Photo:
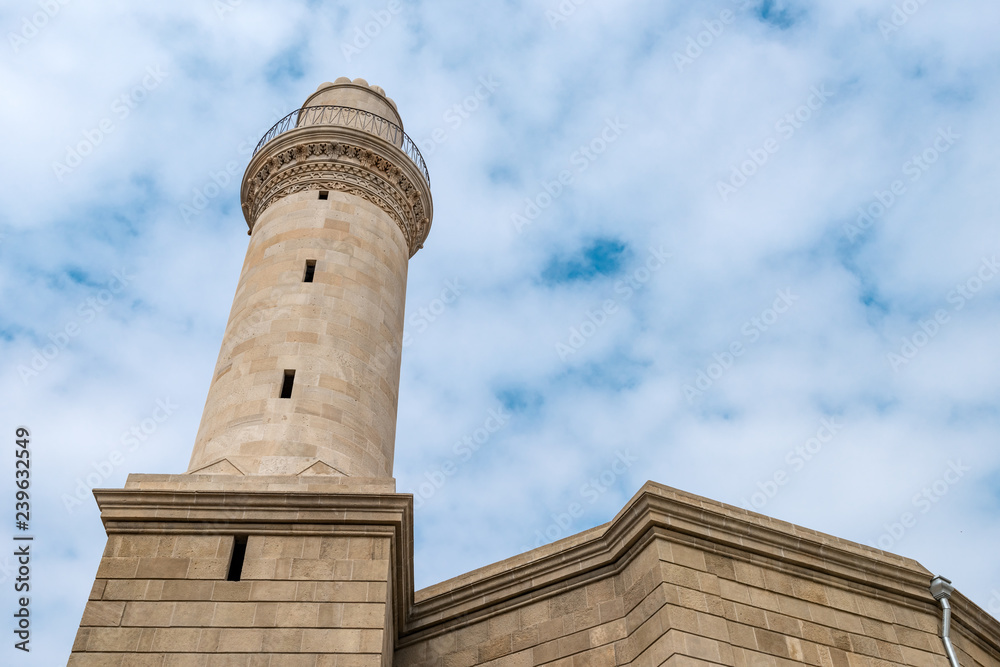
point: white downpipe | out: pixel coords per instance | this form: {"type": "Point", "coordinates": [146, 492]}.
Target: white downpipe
{"type": "Point", "coordinates": [942, 589]}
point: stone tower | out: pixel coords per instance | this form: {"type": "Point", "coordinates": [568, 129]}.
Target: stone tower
{"type": "Point", "coordinates": [335, 209]}
{"type": "Point", "coordinates": [285, 537]}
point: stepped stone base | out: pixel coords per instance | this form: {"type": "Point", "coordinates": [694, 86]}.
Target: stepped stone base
{"type": "Point", "coordinates": [316, 587]}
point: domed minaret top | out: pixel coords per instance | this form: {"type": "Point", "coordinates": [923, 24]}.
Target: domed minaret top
{"type": "Point", "coordinates": [337, 199]}
{"type": "Point", "coordinates": [343, 127]}
{"type": "Point", "coordinates": [357, 94]}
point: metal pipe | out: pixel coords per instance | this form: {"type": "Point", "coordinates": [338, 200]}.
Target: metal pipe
{"type": "Point", "coordinates": [942, 589]}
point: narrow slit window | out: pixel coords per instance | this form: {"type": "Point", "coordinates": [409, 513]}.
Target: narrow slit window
{"type": "Point", "coordinates": [323, 194]}
{"type": "Point", "coordinates": [286, 386]}
{"type": "Point", "coordinates": [307, 277]}
{"type": "Point", "coordinates": [239, 555]}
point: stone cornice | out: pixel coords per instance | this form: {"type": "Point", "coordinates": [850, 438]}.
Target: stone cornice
{"type": "Point", "coordinates": [975, 622]}
{"type": "Point", "coordinates": [334, 157]}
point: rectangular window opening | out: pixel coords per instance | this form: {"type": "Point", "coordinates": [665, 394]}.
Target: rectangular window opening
{"type": "Point", "coordinates": [307, 277]}
{"type": "Point", "coordinates": [323, 194]}
{"type": "Point", "coordinates": [239, 554]}
{"type": "Point", "coordinates": [286, 386]}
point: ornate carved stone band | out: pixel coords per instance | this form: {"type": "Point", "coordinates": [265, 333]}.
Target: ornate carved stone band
{"type": "Point", "coordinates": [391, 183]}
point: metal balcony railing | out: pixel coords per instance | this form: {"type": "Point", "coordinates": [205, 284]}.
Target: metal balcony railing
{"type": "Point", "coordinates": [349, 117]}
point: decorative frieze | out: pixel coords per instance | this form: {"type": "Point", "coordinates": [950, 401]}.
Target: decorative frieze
{"type": "Point", "coordinates": [338, 165]}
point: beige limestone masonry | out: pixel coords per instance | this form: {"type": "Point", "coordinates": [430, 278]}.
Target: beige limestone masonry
{"type": "Point", "coordinates": [339, 333]}
{"type": "Point", "coordinates": [350, 203]}
{"type": "Point", "coordinates": [674, 579]}
{"type": "Point", "coordinates": [323, 560]}
{"type": "Point", "coordinates": [355, 94]}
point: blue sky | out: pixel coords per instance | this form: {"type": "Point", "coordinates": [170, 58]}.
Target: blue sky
{"type": "Point", "coordinates": [745, 249]}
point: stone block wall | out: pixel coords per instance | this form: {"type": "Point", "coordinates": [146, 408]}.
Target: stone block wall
{"type": "Point", "coordinates": [657, 596]}
{"type": "Point", "coordinates": [340, 333]}
{"type": "Point", "coordinates": [164, 600]}
{"type": "Point", "coordinates": [681, 605]}
{"type": "Point", "coordinates": [317, 587]}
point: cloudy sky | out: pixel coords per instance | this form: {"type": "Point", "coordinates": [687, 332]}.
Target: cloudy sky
{"type": "Point", "coordinates": [744, 249]}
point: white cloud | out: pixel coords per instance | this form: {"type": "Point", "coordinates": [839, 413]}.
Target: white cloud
{"type": "Point", "coordinates": [230, 77]}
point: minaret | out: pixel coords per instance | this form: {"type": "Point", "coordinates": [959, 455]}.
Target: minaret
{"type": "Point", "coordinates": [337, 200]}
{"type": "Point", "coordinates": [285, 539]}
